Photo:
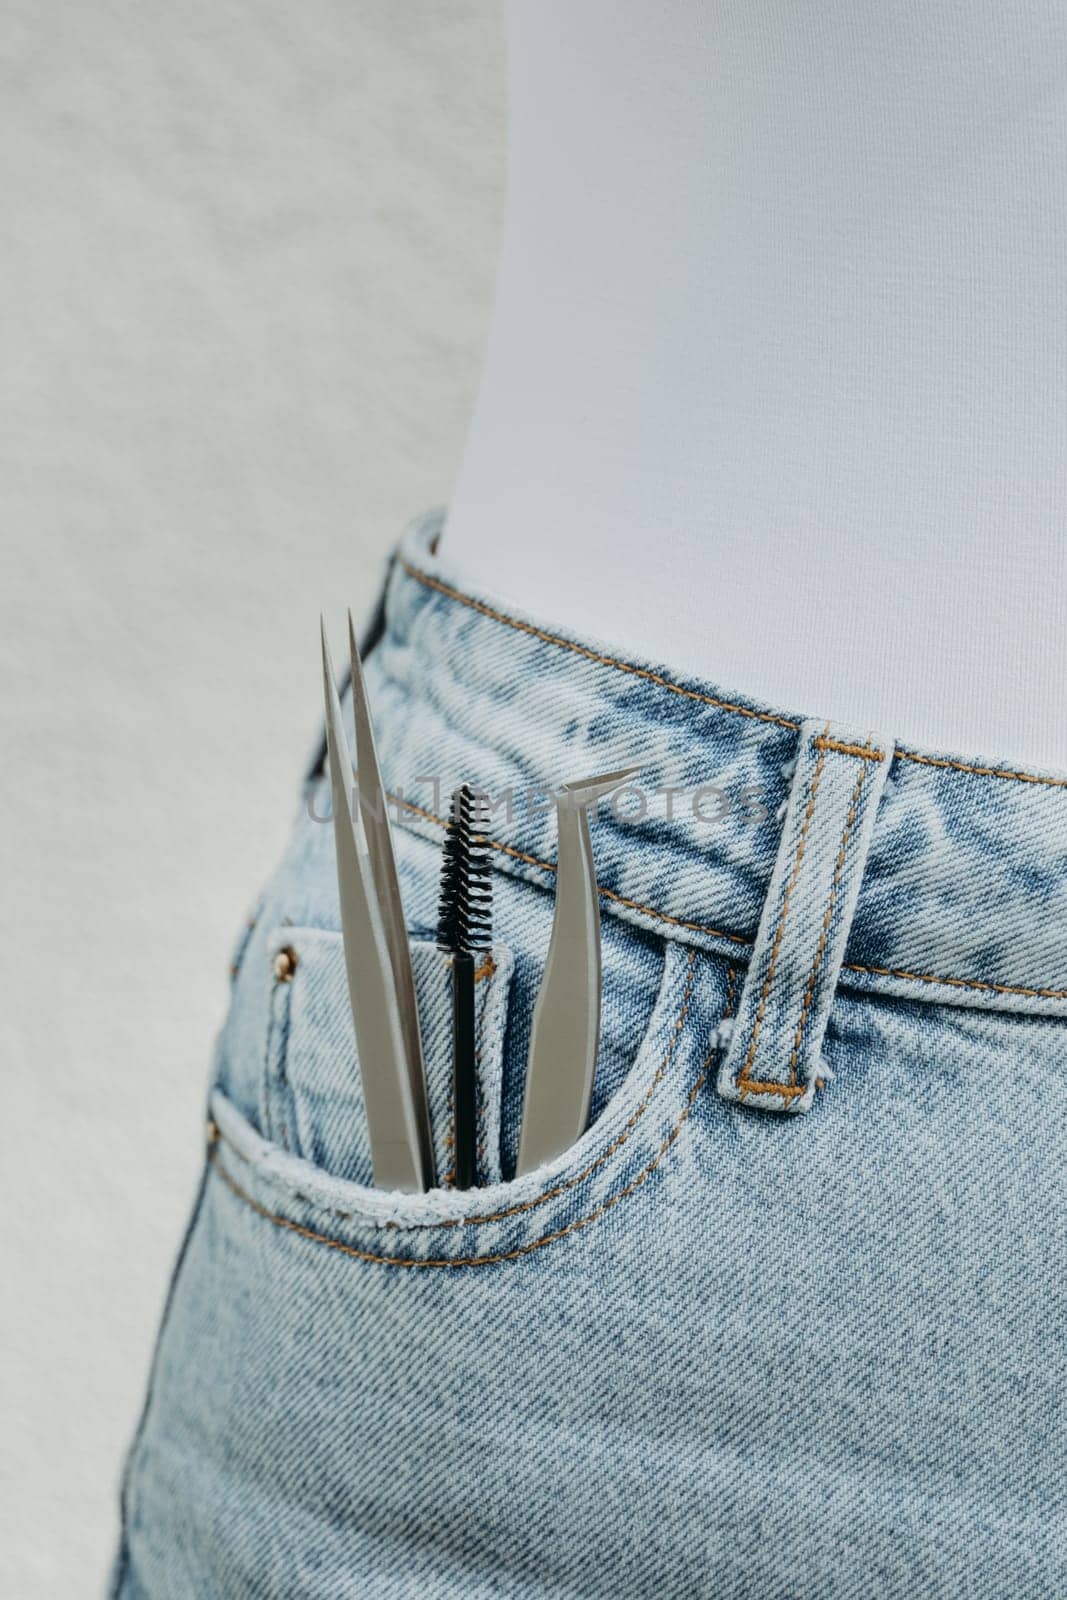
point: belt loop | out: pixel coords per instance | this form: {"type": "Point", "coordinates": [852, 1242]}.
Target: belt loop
{"type": "Point", "coordinates": [772, 1059]}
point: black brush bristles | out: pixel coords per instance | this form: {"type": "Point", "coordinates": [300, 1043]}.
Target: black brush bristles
{"type": "Point", "coordinates": [464, 929]}
{"type": "Point", "coordinates": [464, 915]}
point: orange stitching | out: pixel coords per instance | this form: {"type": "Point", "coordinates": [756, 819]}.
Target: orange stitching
{"type": "Point", "coordinates": [692, 694]}
{"type": "Point", "coordinates": [865, 751]}
{"type": "Point", "coordinates": [742, 1082]}
{"type": "Point", "coordinates": [677, 922]}
{"type": "Point", "coordinates": [959, 983]}
{"type": "Point", "coordinates": [504, 1255]}
{"type": "Point", "coordinates": [820, 949]}
{"type": "Point", "coordinates": [981, 772]}
{"type": "Point", "coordinates": [786, 1090]}
{"type": "Point", "coordinates": [739, 938]}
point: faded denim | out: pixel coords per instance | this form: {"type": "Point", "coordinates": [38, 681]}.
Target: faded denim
{"type": "Point", "coordinates": [787, 1322]}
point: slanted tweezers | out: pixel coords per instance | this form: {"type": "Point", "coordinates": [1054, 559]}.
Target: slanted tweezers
{"type": "Point", "coordinates": [561, 1062]}
{"type": "Point", "coordinates": [377, 957]}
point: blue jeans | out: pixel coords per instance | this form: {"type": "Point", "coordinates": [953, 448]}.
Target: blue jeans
{"type": "Point", "coordinates": [787, 1321]}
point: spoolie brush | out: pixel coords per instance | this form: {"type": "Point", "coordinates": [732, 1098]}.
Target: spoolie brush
{"type": "Point", "coordinates": [464, 931]}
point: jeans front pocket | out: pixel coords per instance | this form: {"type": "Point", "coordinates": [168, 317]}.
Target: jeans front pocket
{"type": "Point", "coordinates": [635, 1137]}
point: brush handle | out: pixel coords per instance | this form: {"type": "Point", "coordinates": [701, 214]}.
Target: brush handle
{"type": "Point", "coordinates": [464, 1074]}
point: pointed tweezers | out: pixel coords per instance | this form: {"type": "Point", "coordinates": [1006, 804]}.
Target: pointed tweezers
{"type": "Point", "coordinates": [377, 958]}
{"type": "Point", "coordinates": [562, 1056]}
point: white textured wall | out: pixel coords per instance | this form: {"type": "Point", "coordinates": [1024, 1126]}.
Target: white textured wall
{"type": "Point", "coordinates": [246, 254]}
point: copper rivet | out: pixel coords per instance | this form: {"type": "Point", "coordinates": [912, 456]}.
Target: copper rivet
{"type": "Point", "coordinates": [285, 964]}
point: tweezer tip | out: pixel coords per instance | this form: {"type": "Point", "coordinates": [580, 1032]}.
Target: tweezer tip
{"type": "Point", "coordinates": [586, 791]}
{"type": "Point", "coordinates": [356, 662]}
{"type": "Point", "coordinates": [329, 682]}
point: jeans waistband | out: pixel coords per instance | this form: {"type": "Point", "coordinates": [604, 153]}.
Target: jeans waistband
{"type": "Point", "coordinates": [963, 897]}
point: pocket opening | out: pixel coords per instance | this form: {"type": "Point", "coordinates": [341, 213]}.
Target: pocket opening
{"type": "Point", "coordinates": [623, 1146]}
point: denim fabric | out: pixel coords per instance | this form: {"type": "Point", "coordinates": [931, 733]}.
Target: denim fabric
{"type": "Point", "coordinates": [716, 1348]}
